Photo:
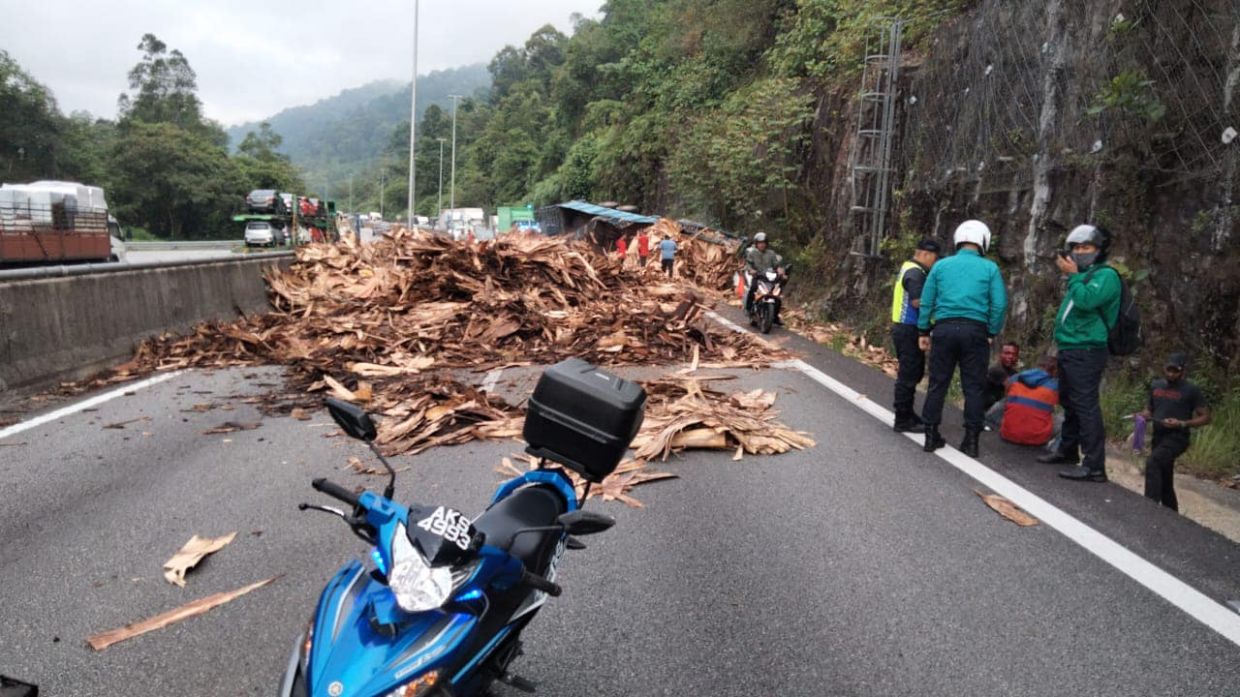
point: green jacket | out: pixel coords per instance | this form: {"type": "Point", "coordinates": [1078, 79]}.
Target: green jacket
{"type": "Point", "coordinates": [964, 286]}
{"type": "Point", "coordinates": [1089, 309]}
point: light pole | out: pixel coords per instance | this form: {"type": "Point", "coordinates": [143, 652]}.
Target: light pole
{"type": "Point", "coordinates": [381, 168]}
{"type": "Point", "coordinates": [439, 208]}
{"type": "Point", "coordinates": [452, 188]}
{"type": "Point", "coordinates": [413, 120]}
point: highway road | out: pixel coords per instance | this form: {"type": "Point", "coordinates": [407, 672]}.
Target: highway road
{"type": "Point", "coordinates": [859, 567]}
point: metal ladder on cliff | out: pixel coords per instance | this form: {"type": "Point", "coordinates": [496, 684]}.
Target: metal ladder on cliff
{"type": "Point", "coordinates": [872, 149]}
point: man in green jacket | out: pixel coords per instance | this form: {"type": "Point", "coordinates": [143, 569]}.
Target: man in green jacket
{"type": "Point", "coordinates": [1090, 309]}
{"type": "Point", "coordinates": [963, 308]}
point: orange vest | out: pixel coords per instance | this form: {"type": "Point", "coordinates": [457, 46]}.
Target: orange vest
{"type": "Point", "coordinates": [1029, 410]}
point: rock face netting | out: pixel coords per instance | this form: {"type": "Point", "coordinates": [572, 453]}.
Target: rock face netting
{"type": "Point", "coordinates": [1037, 115]}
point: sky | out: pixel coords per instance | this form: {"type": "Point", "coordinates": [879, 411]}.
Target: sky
{"type": "Point", "coordinates": [256, 57]}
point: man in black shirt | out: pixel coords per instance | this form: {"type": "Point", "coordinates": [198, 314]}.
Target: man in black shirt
{"type": "Point", "coordinates": [1175, 407]}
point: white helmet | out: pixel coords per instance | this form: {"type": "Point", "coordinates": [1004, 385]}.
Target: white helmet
{"type": "Point", "coordinates": [760, 237]}
{"type": "Point", "coordinates": [973, 232]}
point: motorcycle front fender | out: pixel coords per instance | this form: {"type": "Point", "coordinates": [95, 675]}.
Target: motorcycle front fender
{"type": "Point", "coordinates": [290, 671]}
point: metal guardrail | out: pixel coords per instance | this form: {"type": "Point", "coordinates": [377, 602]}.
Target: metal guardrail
{"type": "Point", "coordinates": [162, 245]}
{"type": "Point", "coordinates": [60, 271]}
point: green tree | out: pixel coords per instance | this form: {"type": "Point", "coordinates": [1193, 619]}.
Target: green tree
{"type": "Point", "coordinates": [175, 183]}
{"type": "Point", "coordinates": [30, 124]}
{"type": "Point", "coordinates": [164, 87]}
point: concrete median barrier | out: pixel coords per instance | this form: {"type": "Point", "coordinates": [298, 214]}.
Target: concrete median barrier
{"type": "Point", "coordinates": [66, 327]}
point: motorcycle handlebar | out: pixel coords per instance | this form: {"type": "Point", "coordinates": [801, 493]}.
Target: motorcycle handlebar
{"type": "Point", "coordinates": [335, 491]}
{"type": "Point", "coordinates": [537, 582]}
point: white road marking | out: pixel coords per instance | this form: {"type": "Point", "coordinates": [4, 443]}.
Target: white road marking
{"type": "Point", "coordinates": [488, 383]}
{"type": "Point", "coordinates": [1199, 606]}
{"type": "Point", "coordinates": [85, 404]}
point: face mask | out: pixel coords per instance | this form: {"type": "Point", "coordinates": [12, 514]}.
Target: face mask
{"type": "Point", "coordinates": [1083, 260]}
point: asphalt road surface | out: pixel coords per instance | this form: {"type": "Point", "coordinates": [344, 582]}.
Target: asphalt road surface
{"type": "Point", "coordinates": [859, 567]}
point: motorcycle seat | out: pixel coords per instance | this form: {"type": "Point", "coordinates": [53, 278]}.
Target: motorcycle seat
{"type": "Point", "coordinates": [528, 507]}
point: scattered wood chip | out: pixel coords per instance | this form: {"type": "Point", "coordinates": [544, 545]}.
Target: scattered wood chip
{"type": "Point", "coordinates": [615, 487]}
{"type": "Point", "coordinates": [300, 414]}
{"type": "Point", "coordinates": [1007, 509]}
{"type": "Point", "coordinates": [190, 554]}
{"type": "Point", "coordinates": [197, 607]}
{"type": "Point", "coordinates": [232, 427]}
{"type": "Point", "coordinates": [120, 425]}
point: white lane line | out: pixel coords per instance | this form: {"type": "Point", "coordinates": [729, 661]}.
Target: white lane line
{"type": "Point", "coordinates": [489, 382]}
{"type": "Point", "coordinates": [85, 404]}
{"type": "Point", "coordinates": [1199, 606]}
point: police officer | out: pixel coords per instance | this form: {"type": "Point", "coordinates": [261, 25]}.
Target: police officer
{"type": "Point", "coordinates": [905, 303]}
{"type": "Point", "coordinates": [963, 308]}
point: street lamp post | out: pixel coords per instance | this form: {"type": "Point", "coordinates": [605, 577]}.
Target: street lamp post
{"type": "Point", "coordinates": [413, 120]}
{"type": "Point", "coordinates": [439, 208]}
{"type": "Point", "coordinates": [452, 188]}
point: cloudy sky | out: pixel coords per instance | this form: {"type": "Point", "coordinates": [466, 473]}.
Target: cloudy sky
{"type": "Point", "coordinates": [255, 57]}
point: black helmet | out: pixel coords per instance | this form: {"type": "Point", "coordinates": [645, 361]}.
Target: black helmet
{"type": "Point", "coordinates": [1096, 235]}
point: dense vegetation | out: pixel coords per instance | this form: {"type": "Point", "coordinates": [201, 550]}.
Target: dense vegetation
{"type": "Point", "coordinates": [165, 168]}
{"type": "Point", "coordinates": [689, 107]}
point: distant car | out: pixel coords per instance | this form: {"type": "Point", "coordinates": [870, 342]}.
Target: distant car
{"type": "Point", "coordinates": [263, 201]}
{"type": "Point", "coordinates": [286, 202]}
{"type": "Point", "coordinates": [260, 233]}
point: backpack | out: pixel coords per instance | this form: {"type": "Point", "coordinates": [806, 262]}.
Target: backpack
{"type": "Point", "coordinates": [1124, 338]}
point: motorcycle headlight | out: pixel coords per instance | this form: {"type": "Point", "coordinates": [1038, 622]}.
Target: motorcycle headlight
{"type": "Point", "coordinates": [416, 585]}
{"type": "Point", "coordinates": [416, 688]}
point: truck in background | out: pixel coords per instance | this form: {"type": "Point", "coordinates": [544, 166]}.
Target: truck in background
{"type": "Point", "coordinates": [56, 222]}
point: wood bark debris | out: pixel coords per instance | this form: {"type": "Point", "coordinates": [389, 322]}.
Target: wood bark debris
{"type": "Point", "coordinates": [197, 607]}
{"type": "Point", "coordinates": [615, 487]}
{"type": "Point", "coordinates": [684, 413]}
{"type": "Point", "coordinates": [1007, 509]}
{"type": "Point", "coordinates": [381, 325]}
{"type": "Point", "coordinates": [194, 551]}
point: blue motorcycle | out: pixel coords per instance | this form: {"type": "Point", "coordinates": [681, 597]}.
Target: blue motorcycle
{"type": "Point", "coordinates": [440, 609]}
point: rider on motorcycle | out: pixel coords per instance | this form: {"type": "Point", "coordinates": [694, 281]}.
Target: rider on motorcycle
{"type": "Point", "coordinates": [758, 259]}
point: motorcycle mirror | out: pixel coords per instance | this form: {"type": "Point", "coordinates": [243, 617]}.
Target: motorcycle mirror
{"type": "Point", "coordinates": [585, 522]}
{"type": "Point", "coordinates": [352, 418]}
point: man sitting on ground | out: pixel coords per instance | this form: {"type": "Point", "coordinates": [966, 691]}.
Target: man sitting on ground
{"type": "Point", "coordinates": [1029, 408]}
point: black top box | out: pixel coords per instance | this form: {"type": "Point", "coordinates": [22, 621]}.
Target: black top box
{"type": "Point", "coordinates": [583, 417]}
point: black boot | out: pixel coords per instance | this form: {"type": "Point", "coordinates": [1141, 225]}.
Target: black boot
{"type": "Point", "coordinates": [1058, 458]}
{"type": "Point", "coordinates": [968, 446]}
{"type": "Point", "coordinates": [907, 422]}
{"type": "Point", "coordinates": [1081, 473]}
{"type": "Point", "coordinates": [934, 441]}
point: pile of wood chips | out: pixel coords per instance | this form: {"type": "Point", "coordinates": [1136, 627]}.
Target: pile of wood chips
{"type": "Point", "coordinates": [705, 263]}
{"type": "Point", "coordinates": [379, 325]}
{"type": "Point", "coordinates": [686, 413]}
{"type": "Point", "coordinates": [414, 301]}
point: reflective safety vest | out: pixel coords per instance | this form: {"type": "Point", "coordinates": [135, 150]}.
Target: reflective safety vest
{"type": "Point", "coordinates": [1029, 409]}
{"type": "Point", "coordinates": [902, 310]}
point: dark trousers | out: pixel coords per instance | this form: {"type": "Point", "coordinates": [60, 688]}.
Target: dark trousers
{"type": "Point", "coordinates": [912, 368]}
{"type": "Point", "coordinates": [1080, 376]}
{"type": "Point", "coordinates": [961, 344]}
{"type": "Point", "coordinates": [667, 266]}
{"type": "Point", "coordinates": [1160, 467]}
